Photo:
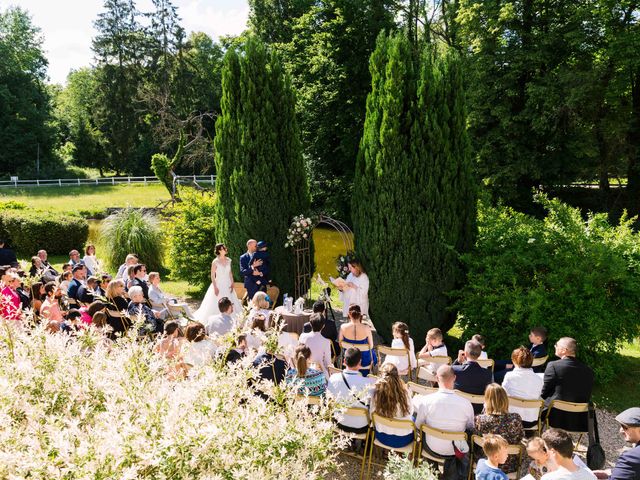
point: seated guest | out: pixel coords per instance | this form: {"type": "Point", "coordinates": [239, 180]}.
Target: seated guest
{"type": "Point", "coordinates": [444, 410]}
{"type": "Point", "coordinates": [7, 256]}
{"type": "Point", "coordinates": [72, 323]}
{"type": "Point", "coordinates": [77, 281]}
{"type": "Point", "coordinates": [541, 464]}
{"type": "Point", "coordinates": [129, 261]}
{"type": "Point", "coordinates": [238, 352]}
{"type": "Point", "coordinates": [90, 261]}
{"type": "Point", "coordinates": [537, 337]}
{"type": "Point", "coordinates": [320, 347]}
{"type": "Point", "coordinates": [49, 273]}
{"type": "Point", "coordinates": [256, 337]}
{"type": "Point", "coordinates": [101, 288]}
{"type": "Point", "coordinates": [170, 345]}
{"type": "Point", "coordinates": [138, 307]}
{"type": "Point", "coordinates": [200, 350]}
{"type": "Point", "coordinates": [496, 419]}
{"type": "Point", "coordinates": [329, 330]}
{"type": "Point", "coordinates": [157, 298]}
{"type": "Point", "coordinates": [67, 267]}
{"type": "Point", "coordinates": [139, 274]}
{"type": "Point", "coordinates": [483, 342]}
{"type": "Point", "coordinates": [350, 386]}
{"type": "Point", "coordinates": [470, 376]}
{"type": "Point", "coordinates": [86, 293]}
{"type": "Point", "coordinates": [391, 399]}
{"type": "Point", "coordinates": [10, 301]}
{"type": "Point", "coordinates": [260, 305]}
{"type": "Point", "coordinates": [434, 346]}
{"type": "Point", "coordinates": [358, 333]}
{"type": "Point", "coordinates": [560, 447]}
{"type": "Point", "coordinates": [495, 449]}
{"type": "Point", "coordinates": [222, 323]}
{"type": "Point", "coordinates": [570, 380]}
{"type": "Point", "coordinates": [50, 312]}
{"type": "Point", "coordinates": [22, 291]}
{"type": "Point", "coordinates": [36, 269]}
{"type": "Point", "coordinates": [270, 367]}
{"type": "Point", "coordinates": [65, 281]}
{"type": "Point", "coordinates": [117, 308]}
{"type": "Point", "coordinates": [401, 339]}
{"type": "Point", "coordinates": [627, 466]}
{"type": "Point", "coordinates": [37, 296]}
{"type": "Point", "coordinates": [307, 379]}
{"type": "Point", "coordinates": [522, 382]}
{"type": "Point", "coordinates": [74, 258]}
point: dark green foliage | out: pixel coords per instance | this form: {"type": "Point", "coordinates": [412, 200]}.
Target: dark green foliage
{"type": "Point", "coordinates": [30, 230]}
{"type": "Point", "coordinates": [133, 231]}
{"type": "Point", "coordinates": [414, 193]}
{"type": "Point", "coordinates": [24, 100]}
{"type": "Point", "coordinates": [192, 238]}
{"type": "Point", "coordinates": [578, 278]}
{"type": "Point", "coordinates": [261, 182]}
{"type": "Point", "coordinates": [163, 168]}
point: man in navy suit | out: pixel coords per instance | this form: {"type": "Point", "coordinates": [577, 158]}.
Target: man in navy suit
{"type": "Point", "coordinates": [628, 465]}
{"type": "Point", "coordinates": [470, 376]}
{"type": "Point", "coordinates": [248, 269]}
{"type": "Point", "coordinates": [77, 281]}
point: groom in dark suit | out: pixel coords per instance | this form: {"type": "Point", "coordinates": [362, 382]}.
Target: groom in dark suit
{"type": "Point", "coordinates": [248, 269]}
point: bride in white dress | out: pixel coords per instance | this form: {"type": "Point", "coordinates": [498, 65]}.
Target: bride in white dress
{"type": "Point", "coordinates": [221, 286]}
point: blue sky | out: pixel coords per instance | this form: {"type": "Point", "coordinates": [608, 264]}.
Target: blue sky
{"type": "Point", "coordinates": [67, 25]}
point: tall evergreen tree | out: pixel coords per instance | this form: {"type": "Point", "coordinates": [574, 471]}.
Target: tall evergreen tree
{"type": "Point", "coordinates": [261, 180]}
{"type": "Point", "coordinates": [414, 194]}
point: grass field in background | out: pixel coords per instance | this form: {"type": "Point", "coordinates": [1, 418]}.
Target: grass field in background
{"type": "Point", "coordinates": [87, 198]}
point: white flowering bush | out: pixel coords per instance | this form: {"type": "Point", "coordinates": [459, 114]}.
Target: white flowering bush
{"type": "Point", "coordinates": [84, 408]}
{"type": "Point", "coordinates": [300, 229]}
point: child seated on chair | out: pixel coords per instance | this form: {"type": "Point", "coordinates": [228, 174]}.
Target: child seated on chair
{"type": "Point", "coordinates": [540, 463]}
{"type": "Point", "coordinates": [496, 449]}
{"type": "Point", "coordinates": [482, 341]}
{"type": "Point", "coordinates": [401, 339]}
{"type": "Point", "coordinates": [434, 348]}
{"type": "Point", "coordinates": [537, 337]}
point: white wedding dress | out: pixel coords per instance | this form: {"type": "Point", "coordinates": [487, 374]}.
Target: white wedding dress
{"type": "Point", "coordinates": [209, 305]}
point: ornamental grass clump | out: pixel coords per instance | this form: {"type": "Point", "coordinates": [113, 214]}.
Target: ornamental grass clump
{"type": "Point", "coordinates": [82, 408]}
{"type": "Point", "coordinates": [133, 231]}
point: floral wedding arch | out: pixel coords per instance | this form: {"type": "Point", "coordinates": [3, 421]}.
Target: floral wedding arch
{"type": "Point", "coordinates": [299, 238]}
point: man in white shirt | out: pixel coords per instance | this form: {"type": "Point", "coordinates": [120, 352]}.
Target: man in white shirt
{"type": "Point", "coordinates": [560, 448]}
{"type": "Point", "coordinates": [444, 410]}
{"type": "Point", "coordinates": [320, 347]}
{"type": "Point", "coordinates": [222, 323]}
{"type": "Point", "coordinates": [350, 386]}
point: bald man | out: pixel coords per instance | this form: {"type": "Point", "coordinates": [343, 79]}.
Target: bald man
{"type": "Point", "coordinates": [570, 380]}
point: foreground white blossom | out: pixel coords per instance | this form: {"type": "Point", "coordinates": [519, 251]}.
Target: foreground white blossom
{"type": "Point", "coordinates": [84, 409]}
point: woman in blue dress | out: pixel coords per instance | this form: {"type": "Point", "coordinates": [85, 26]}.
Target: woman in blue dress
{"type": "Point", "coordinates": [357, 333]}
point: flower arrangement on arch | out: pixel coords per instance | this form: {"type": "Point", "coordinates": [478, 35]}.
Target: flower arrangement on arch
{"type": "Point", "coordinates": [342, 263]}
{"type": "Point", "coordinates": [300, 229]}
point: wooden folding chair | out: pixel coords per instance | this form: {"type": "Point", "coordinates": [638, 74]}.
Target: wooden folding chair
{"type": "Point", "coordinates": [486, 363]}
{"type": "Point", "coordinates": [426, 432]}
{"type": "Point", "coordinates": [424, 373]}
{"type": "Point", "coordinates": [357, 412]}
{"type": "Point", "coordinates": [539, 361]}
{"type": "Point", "coordinates": [396, 352]}
{"type": "Point", "coordinates": [474, 399]}
{"type": "Point", "coordinates": [477, 440]}
{"type": "Point", "coordinates": [417, 389]}
{"type": "Point", "coordinates": [408, 425]}
{"type": "Point", "coordinates": [331, 369]}
{"type": "Point", "coordinates": [363, 348]}
{"type": "Point", "coordinates": [569, 407]}
{"type": "Point", "coordinates": [530, 404]}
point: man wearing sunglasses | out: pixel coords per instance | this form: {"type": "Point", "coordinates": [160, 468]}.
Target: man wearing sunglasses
{"type": "Point", "coordinates": [628, 465]}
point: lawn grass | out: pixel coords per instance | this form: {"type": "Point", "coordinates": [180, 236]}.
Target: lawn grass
{"type": "Point", "coordinates": [624, 391]}
{"type": "Point", "coordinates": [88, 200]}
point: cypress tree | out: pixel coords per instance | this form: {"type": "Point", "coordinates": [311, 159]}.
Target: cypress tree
{"type": "Point", "coordinates": [261, 183]}
{"type": "Point", "coordinates": [414, 194]}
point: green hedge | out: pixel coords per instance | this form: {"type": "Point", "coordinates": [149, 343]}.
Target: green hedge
{"type": "Point", "coordinates": [577, 277]}
{"type": "Point", "coordinates": [30, 230]}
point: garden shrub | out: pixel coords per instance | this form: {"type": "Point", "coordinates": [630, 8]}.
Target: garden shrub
{"type": "Point", "coordinates": [30, 230]}
{"type": "Point", "coordinates": [80, 409]}
{"type": "Point", "coordinates": [192, 238]}
{"type": "Point", "coordinates": [132, 231]}
{"type": "Point", "coordinates": [577, 277]}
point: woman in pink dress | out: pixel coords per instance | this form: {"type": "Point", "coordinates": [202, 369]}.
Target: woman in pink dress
{"type": "Point", "coordinates": [10, 300]}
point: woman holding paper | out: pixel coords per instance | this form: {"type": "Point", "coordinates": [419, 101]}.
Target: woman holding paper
{"type": "Point", "coordinates": [355, 289]}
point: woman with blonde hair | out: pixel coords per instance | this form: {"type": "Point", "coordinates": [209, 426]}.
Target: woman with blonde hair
{"type": "Point", "coordinates": [260, 305]}
{"type": "Point", "coordinates": [117, 306]}
{"type": "Point", "coordinates": [90, 261]}
{"type": "Point", "coordinates": [391, 399]}
{"type": "Point", "coordinates": [310, 381]}
{"type": "Point", "coordinates": [358, 333]}
{"type": "Point", "coordinates": [497, 420]}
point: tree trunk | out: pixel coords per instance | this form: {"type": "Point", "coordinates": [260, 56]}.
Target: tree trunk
{"type": "Point", "coordinates": [633, 170]}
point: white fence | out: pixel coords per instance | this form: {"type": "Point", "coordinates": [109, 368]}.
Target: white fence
{"type": "Point", "coordinates": [74, 182]}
